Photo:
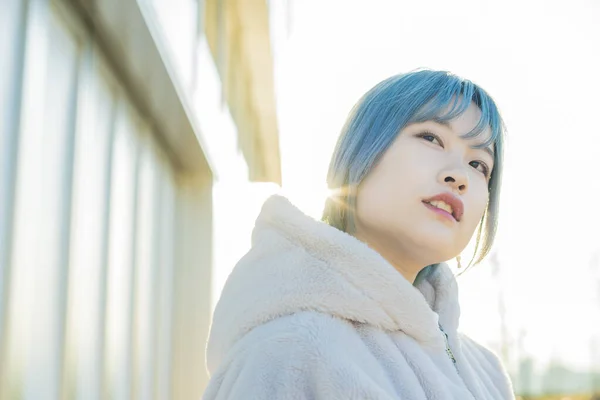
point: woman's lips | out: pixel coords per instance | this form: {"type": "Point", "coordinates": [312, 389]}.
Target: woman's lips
{"type": "Point", "coordinates": [441, 212]}
{"type": "Point", "coordinates": [450, 199]}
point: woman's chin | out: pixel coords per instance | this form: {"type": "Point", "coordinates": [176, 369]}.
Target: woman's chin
{"type": "Point", "coordinates": [438, 245]}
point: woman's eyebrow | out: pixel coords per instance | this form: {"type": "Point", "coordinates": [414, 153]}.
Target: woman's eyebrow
{"type": "Point", "coordinates": [486, 149]}
{"type": "Point", "coordinates": [446, 124]}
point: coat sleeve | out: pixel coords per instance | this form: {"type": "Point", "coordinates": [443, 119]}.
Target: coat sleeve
{"type": "Point", "coordinates": [496, 372]}
{"type": "Point", "coordinates": [300, 357]}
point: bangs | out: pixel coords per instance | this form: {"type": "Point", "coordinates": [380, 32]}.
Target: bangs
{"type": "Point", "coordinates": [453, 98]}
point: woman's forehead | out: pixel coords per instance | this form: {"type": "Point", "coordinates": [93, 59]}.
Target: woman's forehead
{"type": "Point", "coordinates": [465, 115]}
{"type": "Point", "coordinates": [468, 121]}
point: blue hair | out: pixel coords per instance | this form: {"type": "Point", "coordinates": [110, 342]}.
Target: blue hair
{"type": "Point", "coordinates": [379, 116]}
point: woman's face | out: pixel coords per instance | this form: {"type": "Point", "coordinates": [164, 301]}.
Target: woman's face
{"type": "Point", "coordinates": [426, 196]}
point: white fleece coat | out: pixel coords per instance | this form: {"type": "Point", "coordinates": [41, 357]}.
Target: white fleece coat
{"type": "Point", "coordinates": [312, 313]}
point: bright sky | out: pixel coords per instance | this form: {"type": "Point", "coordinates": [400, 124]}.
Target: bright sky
{"type": "Point", "coordinates": [539, 60]}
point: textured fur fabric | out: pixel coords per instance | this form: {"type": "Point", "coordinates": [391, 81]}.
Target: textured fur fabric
{"type": "Point", "coordinates": [312, 313]}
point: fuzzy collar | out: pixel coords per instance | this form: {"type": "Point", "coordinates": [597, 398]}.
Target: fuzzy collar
{"type": "Point", "coordinates": [299, 264]}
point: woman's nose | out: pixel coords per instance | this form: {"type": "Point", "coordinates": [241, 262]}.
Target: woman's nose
{"type": "Point", "coordinates": [457, 179]}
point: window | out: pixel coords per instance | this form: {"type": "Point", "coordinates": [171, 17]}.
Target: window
{"type": "Point", "coordinates": [101, 265]}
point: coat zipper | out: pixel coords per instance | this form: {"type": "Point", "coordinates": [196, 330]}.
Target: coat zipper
{"type": "Point", "coordinates": [451, 357]}
{"type": "Point", "coordinates": [448, 350]}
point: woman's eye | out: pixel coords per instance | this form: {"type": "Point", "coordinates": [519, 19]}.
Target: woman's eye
{"type": "Point", "coordinates": [481, 167]}
{"type": "Point", "coordinates": [430, 137]}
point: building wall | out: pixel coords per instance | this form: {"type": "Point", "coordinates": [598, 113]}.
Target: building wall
{"type": "Point", "coordinates": [106, 198]}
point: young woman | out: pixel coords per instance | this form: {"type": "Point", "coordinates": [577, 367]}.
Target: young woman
{"type": "Point", "coordinates": [360, 305]}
